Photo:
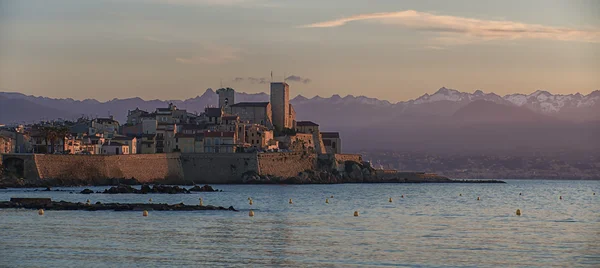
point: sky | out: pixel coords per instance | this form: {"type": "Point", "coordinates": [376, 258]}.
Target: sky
{"type": "Point", "coordinates": [387, 49]}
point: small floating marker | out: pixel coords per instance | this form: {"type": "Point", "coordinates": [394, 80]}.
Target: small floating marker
{"type": "Point", "coordinates": [250, 202]}
{"type": "Point", "coordinates": [520, 193]}
{"type": "Point", "coordinates": [356, 213]}
{"type": "Point", "coordinates": [326, 200]}
{"type": "Point", "coordinates": [560, 197]}
{"type": "Point", "coordinates": [145, 213]}
{"type": "Point", "coordinates": [478, 198]}
{"type": "Point", "coordinates": [150, 200]}
{"type": "Point", "coordinates": [291, 201]}
{"type": "Point", "coordinates": [41, 212]}
{"type": "Point", "coordinates": [594, 194]}
{"type": "Point", "coordinates": [331, 196]}
{"type": "Point", "coordinates": [251, 213]}
{"type": "Point", "coordinates": [390, 200]}
{"type": "Point", "coordinates": [459, 194]}
{"type": "Point", "coordinates": [518, 212]}
{"type": "Point", "coordinates": [402, 196]}
{"type": "Point", "coordinates": [201, 203]}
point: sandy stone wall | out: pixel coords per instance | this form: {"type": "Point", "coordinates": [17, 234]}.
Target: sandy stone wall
{"type": "Point", "coordinates": [285, 164]}
{"type": "Point", "coordinates": [218, 168]}
{"type": "Point", "coordinates": [348, 157]}
{"type": "Point", "coordinates": [145, 168]}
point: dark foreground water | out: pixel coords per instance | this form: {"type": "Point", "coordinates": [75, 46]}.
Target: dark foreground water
{"type": "Point", "coordinates": [432, 226]}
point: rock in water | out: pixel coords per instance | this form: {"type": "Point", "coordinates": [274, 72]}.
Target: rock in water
{"type": "Point", "coordinates": [205, 188]}
{"type": "Point", "coordinates": [86, 191]}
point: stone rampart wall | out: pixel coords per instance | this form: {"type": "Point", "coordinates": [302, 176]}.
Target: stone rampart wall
{"type": "Point", "coordinates": [143, 167]}
{"type": "Point", "coordinates": [348, 157]}
{"type": "Point", "coordinates": [218, 168]}
{"type": "Point", "coordinates": [285, 164]}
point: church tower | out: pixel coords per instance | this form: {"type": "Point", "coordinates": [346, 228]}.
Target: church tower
{"type": "Point", "coordinates": [226, 98]}
{"type": "Point", "coordinates": [280, 104]}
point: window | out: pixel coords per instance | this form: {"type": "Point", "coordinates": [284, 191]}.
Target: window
{"type": "Point", "coordinates": [149, 145]}
{"type": "Point", "coordinates": [177, 140]}
{"type": "Point", "coordinates": [333, 145]}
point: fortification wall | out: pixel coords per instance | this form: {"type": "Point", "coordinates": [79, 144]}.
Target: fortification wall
{"type": "Point", "coordinates": [285, 164]}
{"type": "Point", "coordinates": [218, 168]}
{"type": "Point", "coordinates": [143, 167]}
{"type": "Point", "coordinates": [348, 157]}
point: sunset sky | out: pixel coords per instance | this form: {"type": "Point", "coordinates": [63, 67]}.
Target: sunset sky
{"type": "Point", "coordinates": [388, 49]}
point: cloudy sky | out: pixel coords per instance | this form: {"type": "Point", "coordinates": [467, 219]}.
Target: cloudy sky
{"type": "Point", "coordinates": [394, 50]}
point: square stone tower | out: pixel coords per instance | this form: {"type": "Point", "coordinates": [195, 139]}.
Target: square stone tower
{"type": "Point", "coordinates": [226, 98]}
{"type": "Point", "coordinates": [280, 104]}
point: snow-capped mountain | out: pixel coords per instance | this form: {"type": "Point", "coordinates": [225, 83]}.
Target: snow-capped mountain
{"type": "Point", "coordinates": [337, 99]}
{"type": "Point", "coordinates": [546, 102]}
{"type": "Point", "coordinates": [446, 94]}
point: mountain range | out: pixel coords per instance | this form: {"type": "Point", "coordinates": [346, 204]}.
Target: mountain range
{"type": "Point", "coordinates": [447, 119]}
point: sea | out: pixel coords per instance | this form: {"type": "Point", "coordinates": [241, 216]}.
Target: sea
{"type": "Point", "coordinates": [425, 225]}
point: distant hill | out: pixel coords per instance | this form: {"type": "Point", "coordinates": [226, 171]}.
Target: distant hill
{"type": "Point", "coordinates": [483, 111]}
{"type": "Point", "coordinates": [27, 111]}
{"type": "Point", "coordinates": [447, 120]}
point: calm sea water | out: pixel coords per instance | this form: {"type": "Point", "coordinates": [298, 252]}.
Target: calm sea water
{"type": "Point", "coordinates": [432, 226]}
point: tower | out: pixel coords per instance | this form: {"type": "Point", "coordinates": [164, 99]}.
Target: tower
{"type": "Point", "coordinates": [280, 104]}
{"type": "Point", "coordinates": [226, 98]}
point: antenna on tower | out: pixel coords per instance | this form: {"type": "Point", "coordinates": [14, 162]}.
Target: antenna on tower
{"type": "Point", "coordinates": [221, 82]}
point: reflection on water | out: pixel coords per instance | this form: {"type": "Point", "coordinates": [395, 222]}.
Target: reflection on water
{"type": "Point", "coordinates": [431, 226]}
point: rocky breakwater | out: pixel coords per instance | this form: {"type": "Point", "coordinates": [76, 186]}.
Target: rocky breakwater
{"type": "Point", "coordinates": [350, 172]}
{"type": "Point", "coordinates": [48, 204]}
{"type": "Point", "coordinates": [156, 189]}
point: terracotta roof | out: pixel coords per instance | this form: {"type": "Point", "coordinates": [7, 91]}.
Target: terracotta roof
{"type": "Point", "coordinates": [122, 138]}
{"type": "Point", "coordinates": [219, 134]}
{"type": "Point", "coordinates": [330, 135]}
{"type": "Point", "coordinates": [306, 124]}
{"type": "Point", "coordinates": [250, 104]}
{"type": "Point", "coordinates": [114, 143]}
{"type": "Point", "coordinates": [230, 117]}
{"type": "Point", "coordinates": [106, 120]}
{"type": "Point", "coordinates": [192, 126]}
{"type": "Point", "coordinates": [213, 112]}
{"type": "Point", "coordinates": [183, 135]}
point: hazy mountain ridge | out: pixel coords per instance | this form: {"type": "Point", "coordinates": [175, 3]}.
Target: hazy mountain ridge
{"type": "Point", "coordinates": [444, 102]}
{"type": "Point", "coordinates": [447, 120]}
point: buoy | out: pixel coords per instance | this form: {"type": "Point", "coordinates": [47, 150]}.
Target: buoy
{"type": "Point", "coordinates": [291, 201]}
{"type": "Point", "coordinates": [560, 197]}
{"type": "Point", "coordinates": [150, 200]}
{"type": "Point", "coordinates": [251, 213]}
{"type": "Point", "coordinates": [390, 200]}
{"type": "Point", "coordinates": [331, 196]}
{"type": "Point", "coordinates": [594, 194]}
{"type": "Point", "coordinates": [40, 212]}
{"type": "Point", "coordinates": [327, 200]}
{"type": "Point", "coordinates": [355, 213]}
{"type": "Point", "coordinates": [402, 196]}
{"type": "Point", "coordinates": [201, 203]}
{"type": "Point", "coordinates": [518, 212]}
{"type": "Point", "coordinates": [459, 194]}
{"type": "Point", "coordinates": [478, 198]}
{"type": "Point", "coordinates": [250, 202]}
{"type": "Point", "coordinates": [520, 193]}
{"type": "Point", "coordinates": [145, 213]}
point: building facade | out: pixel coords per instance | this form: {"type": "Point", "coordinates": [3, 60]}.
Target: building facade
{"type": "Point", "coordinates": [280, 105]}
